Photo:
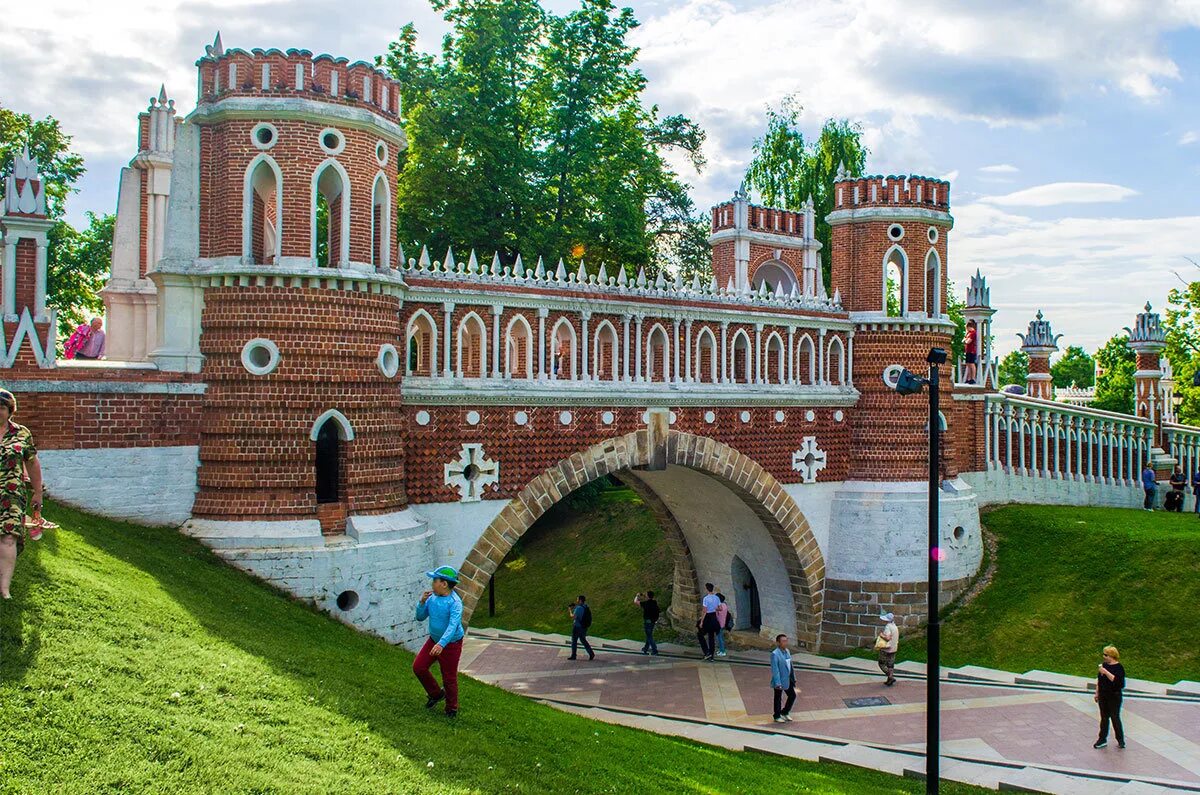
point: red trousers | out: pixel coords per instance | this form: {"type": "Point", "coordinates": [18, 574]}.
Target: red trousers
{"type": "Point", "coordinates": [448, 662]}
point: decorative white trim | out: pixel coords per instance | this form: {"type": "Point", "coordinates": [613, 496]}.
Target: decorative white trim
{"type": "Point", "coordinates": [509, 348]}
{"type": "Point", "coordinates": [248, 208]}
{"type": "Point", "coordinates": [382, 160]}
{"type": "Point", "coordinates": [388, 360]}
{"type": "Point", "coordinates": [897, 213]}
{"type": "Point", "coordinates": [409, 331]}
{"type": "Point", "coordinates": [936, 294]}
{"type": "Point", "coordinates": [841, 361]}
{"type": "Point", "coordinates": [607, 417]}
{"type": "Point", "coordinates": [381, 259]}
{"type": "Point", "coordinates": [345, 430]}
{"type": "Point", "coordinates": [521, 418]}
{"type": "Point", "coordinates": [344, 242]}
{"type": "Point", "coordinates": [932, 235]}
{"type": "Point", "coordinates": [710, 417]}
{"type": "Point", "coordinates": [809, 460]}
{"type": "Point", "coordinates": [260, 343]}
{"type": "Point", "coordinates": [810, 415]}
{"type": "Point", "coordinates": [565, 417]}
{"type": "Point", "coordinates": [422, 418]}
{"type": "Point", "coordinates": [332, 150]}
{"type": "Point", "coordinates": [572, 355]}
{"type": "Point", "coordinates": [902, 266]}
{"type": "Point", "coordinates": [744, 417]}
{"type": "Point", "coordinates": [265, 125]}
{"type": "Point", "coordinates": [895, 238]}
{"type": "Point", "coordinates": [473, 417]}
{"type": "Point", "coordinates": [483, 344]}
{"type": "Point", "coordinates": [780, 416]}
{"type": "Point", "coordinates": [616, 342]}
{"type": "Point", "coordinates": [471, 484]}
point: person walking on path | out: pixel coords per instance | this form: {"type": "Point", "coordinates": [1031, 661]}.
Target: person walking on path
{"type": "Point", "coordinates": [444, 608]}
{"type": "Point", "coordinates": [18, 455]}
{"type": "Point", "coordinates": [1110, 681]}
{"type": "Point", "coordinates": [707, 626]}
{"type": "Point", "coordinates": [650, 614]}
{"type": "Point", "coordinates": [722, 620]}
{"type": "Point", "coordinates": [581, 619]}
{"type": "Point", "coordinates": [783, 679]}
{"type": "Point", "coordinates": [1179, 483]}
{"type": "Point", "coordinates": [1150, 486]}
{"type": "Point", "coordinates": [887, 643]}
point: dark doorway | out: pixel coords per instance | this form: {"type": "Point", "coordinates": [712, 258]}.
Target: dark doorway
{"type": "Point", "coordinates": [328, 475]}
{"type": "Point", "coordinates": [747, 610]}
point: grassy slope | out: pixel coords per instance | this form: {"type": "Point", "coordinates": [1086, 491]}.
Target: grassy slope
{"type": "Point", "coordinates": [608, 552]}
{"type": "Point", "coordinates": [1070, 581]}
{"type": "Point", "coordinates": [132, 659]}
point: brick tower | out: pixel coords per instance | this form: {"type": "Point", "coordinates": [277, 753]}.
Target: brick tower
{"type": "Point", "coordinates": [277, 284]}
{"type": "Point", "coordinates": [1148, 339]}
{"type": "Point", "coordinates": [29, 335]}
{"type": "Point", "coordinates": [1039, 343]}
{"type": "Point", "coordinates": [888, 264]}
{"type": "Point", "coordinates": [755, 247]}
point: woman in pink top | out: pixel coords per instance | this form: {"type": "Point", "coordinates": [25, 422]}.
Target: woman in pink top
{"type": "Point", "coordinates": [722, 617]}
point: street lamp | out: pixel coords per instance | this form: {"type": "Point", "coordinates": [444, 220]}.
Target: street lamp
{"type": "Point", "coordinates": [908, 383]}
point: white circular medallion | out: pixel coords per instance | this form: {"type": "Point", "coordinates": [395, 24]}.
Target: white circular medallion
{"type": "Point", "coordinates": [264, 136]}
{"type": "Point", "coordinates": [381, 153]}
{"type": "Point", "coordinates": [673, 418]}
{"type": "Point", "coordinates": [521, 418]}
{"type": "Point", "coordinates": [933, 234]}
{"type": "Point", "coordinates": [779, 415]}
{"type": "Point", "coordinates": [260, 356]}
{"type": "Point", "coordinates": [895, 232]}
{"type": "Point", "coordinates": [891, 375]}
{"type": "Point", "coordinates": [606, 417]}
{"type": "Point", "coordinates": [388, 360]}
{"type": "Point", "coordinates": [564, 417]}
{"type": "Point", "coordinates": [710, 417]}
{"type": "Point", "coordinates": [422, 418]}
{"type": "Point", "coordinates": [744, 416]}
{"type": "Point", "coordinates": [472, 418]}
{"type": "Point", "coordinates": [810, 415]}
{"type": "Point", "coordinates": [839, 415]}
{"type": "Point", "coordinates": [645, 417]}
{"type": "Point", "coordinates": [331, 141]}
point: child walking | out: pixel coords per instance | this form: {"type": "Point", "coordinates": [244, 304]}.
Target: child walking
{"type": "Point", "coordinates": [444, 609]}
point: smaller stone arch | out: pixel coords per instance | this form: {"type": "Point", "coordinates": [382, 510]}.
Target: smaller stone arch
{"type": "Point", "coordinates": [836, 358]}
{"type": "Point", "coordinates": [774, 359]}
{"type": "Point", "coordinates": [381, 221]}
{"type": "Point", "coordinates": [518, 348]}
{"type": "Point", "coordinates": [263, 182]}
{"type": "Point", "coordinates": [472, 335]}
{"type": "Point", "coordinates": [706, 340]}
{"type": "Point", "coordinates": [345, 429]}
{"type": "Point", "coordinates": [933, 283]}
{"type": "Point", "coordinates": [658, 339]}
{"type": "Point", "coordinates": [741, 342]}
{"type": "Point", "coordinates": [897, 259]}
{"type": "Point", "coordinates": [421, 354]}
{"type": "Point", "coordinates": [605, 340]}
{"type": "Point", "coordinates": [806, 360]}
{"type": "Point", "coordinates": [336, 191]}
{"type": "Point", "coordinates": [774, 273]}
{"type": "Point", "coordinates": [563, 350]}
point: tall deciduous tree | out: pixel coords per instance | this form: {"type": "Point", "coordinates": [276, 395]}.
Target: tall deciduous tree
{"type": "Point", "coordinates": [785, 170]}
{"type": "Point", "coordinates": [1182, 322]}
{"type": "Point", "coordinates": [1014, 368]}
{"type": "Point", "coordinates": [1114, 385]}
{"type": "Point", "coordinates": [1074, 368]}
{"type": "Point", "coordinates": [529, 135]}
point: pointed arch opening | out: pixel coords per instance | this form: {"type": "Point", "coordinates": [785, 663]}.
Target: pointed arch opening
{"type": "Point", "coordinates": [262, 211]}
{"type": "Point", "coordinates": [472, 347]}
{"type": "Point", "coordinates": [563, 353]}
{"type": "Point", "coordinates": [422, 348]}
{"type": "Point", "coordinates": [330, 432]}
{"type": "Point", "coordinates": [741, 359]}
{"type": "Point", "coordinates": [806, 360]}
{"type": "Point", "coordinates": [381, 219]}
{"type": "Point", "coordinates": [895, 282]}
{"type": "Point", "coordinates": [706, 357]}
{"type": "Point", "coordinates": [835, 362]}
{"type": "Point", "coordinates": [658, 353]}
{"type": "Point", "coordinates": [518, 348]}
{"type": "Point", "coordinates": [774, 273]}
{"type": "Point", "coordinates": [604, 352]}
{"type": "Point", "coordinates": [775, 360]}
{"type": "Point", "coordinates": [330, 245]}
{"type": "Point", "coordinates": [933, 284]}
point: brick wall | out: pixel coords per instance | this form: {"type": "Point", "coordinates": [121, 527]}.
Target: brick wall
{"type": "Point", "coordinates": [852, 609]}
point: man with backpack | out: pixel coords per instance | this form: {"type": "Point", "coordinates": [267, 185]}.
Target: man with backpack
{"type": "Point", "coordinates": [581, 619]}
{"type": "Point", "coordinates": [650, 615]}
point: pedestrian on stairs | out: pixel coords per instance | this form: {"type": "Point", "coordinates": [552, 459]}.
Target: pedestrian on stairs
{"type": "Point", "coordinates": [887, 643]}
{"type": "Point", "coordinates": [783, 679]}
{"type": "Point", "coordinates": [581, 620]}
{"type": "Point", "coordinates": [1110, 681]}
{"type": "Point", "coordinates": [708, 626]}
{"type": "Point", "coordinates": [444, 608]}
{"type": "Point", "coordinates": [650, 615]}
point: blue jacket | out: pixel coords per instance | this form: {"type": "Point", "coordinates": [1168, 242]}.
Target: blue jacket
{"type": "Point", "coordinates": [781, 668]}
{"type": "Point", "coordinates": [1148, 481]}
{"type": "Point", "coordinates": [445, 618]}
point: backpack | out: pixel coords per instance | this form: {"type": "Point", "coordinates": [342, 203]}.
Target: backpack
{"type": "Point", "coordinates": [586, 621]}
{"type": "Point", "coordinates": [729, 620]}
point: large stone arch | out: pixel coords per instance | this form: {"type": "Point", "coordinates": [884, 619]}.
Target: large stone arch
{"type": "Point", "coordinates": [757, 488]}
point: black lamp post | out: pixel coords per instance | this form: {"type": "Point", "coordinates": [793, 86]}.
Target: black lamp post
{"type": "Point", "coordinates": [909, 383]}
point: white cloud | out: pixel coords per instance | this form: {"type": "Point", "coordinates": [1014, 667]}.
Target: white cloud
{"type": "Point", "coordinates": [1090, 276]}
{"type": "Point", "coordinates": [1056, 193]}
{"type": "Point", "coordinates": [1189, 137]}
{"type": "Point", "coordinates": [1000, 168]}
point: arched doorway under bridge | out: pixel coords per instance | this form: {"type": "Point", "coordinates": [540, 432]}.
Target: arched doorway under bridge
{"type": "Point", "coordinates": [750, 489]}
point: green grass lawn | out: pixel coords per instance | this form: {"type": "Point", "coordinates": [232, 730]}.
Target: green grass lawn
{"type": "Point", "coordinates": [133, 660]}
{"type": "Point", "coordinates": [608, 550]}
{"type": "Point", "coordinates": [1070, 581]}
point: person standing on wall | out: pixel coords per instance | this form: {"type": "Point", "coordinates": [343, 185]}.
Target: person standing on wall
{"type": "Point", "coordinates": [1150, 486]}
{"type": "Point", "coordinates": [1110, 681]}
{"type": "Point", "coordinates": [650, 615]}
{"type": "Point", "coordinates": [970, 351]}
{"type": "Point", "coordinates": [708, 626]}
{"type": "Point", "coordinates": [18, 455]}
{"type": "Point", "coordinates": [86, 342]}
{"type": "Point", "coordinates": [783, 679]}
{"type": "Point", "coordinates": [887, 643]}
{"type": "Point", "coordinates": [444, 608]}
{"type": "Point", "coordinates": [722, 622]}
{"type": "Point", "coordinates": [581, 620]}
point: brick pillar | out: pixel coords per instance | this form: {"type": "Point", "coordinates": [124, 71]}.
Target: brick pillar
{"type": "Point", "coordinates": [1039, 343]}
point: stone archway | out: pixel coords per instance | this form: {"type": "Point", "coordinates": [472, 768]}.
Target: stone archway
{"type": "Point", "coordinates": [757, 488]}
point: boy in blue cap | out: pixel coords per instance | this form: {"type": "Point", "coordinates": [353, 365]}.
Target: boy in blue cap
{"type": "Point", "coordinates": [444, 608]}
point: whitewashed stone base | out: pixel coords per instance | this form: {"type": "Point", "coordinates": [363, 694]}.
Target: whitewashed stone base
{"type": "Point", "coordinates": [385, 573]}
{"type": "Point", "coordinates": [998, 487]}
{"type": "Point", "coordinates": [146, 485]}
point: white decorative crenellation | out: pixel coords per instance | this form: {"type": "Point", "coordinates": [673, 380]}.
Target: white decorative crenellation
{"type": "Point", "coordinates": [979, 295]}
{"type": "Point", "coordinates": [1039, 334]}
{"type": "Point", "coordinates": [24, 190]}
{"type": "Point", "coordinates": [809, 459]}
{"type": "Point", "coordinates": [452, 269]}
{"type": "Point", "coordinates": [1147, 331]}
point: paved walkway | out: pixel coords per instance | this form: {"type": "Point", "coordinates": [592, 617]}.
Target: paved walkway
{"type": "Point", "coordinates": [1049, 725]}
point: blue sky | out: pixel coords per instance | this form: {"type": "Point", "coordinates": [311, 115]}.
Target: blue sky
{"type": "Point", "coordinates": [1070, 130]}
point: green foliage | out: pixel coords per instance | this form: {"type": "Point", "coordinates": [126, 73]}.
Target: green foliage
{"type": "Point", "coordinates": [954, 310]}
{"type": "Point", "coordinates": [785, 170]}
{"type": "Point", "coordinates": [893, 296]}
{"type": "Point", "coordinates": [1057, 598]}
{"type": "Point", "coordinates": [135, 660]}
{"type": "Point", "coordinates": [59, 166]}
{"type": "Point", "coordinates": [529, 135]}
{"type": "Point", "coordinates": [1074, 368]}
{"type": "Point", "coordinates": [1183, 347]}
{"type": "Point", "coordinates": [79, 261]}
{"type": "Point", "coordinates": [1114, 386]}
{"type": "Point", "coordinates": [1014, 368]}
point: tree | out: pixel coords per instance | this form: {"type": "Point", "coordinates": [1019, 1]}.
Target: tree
{"type": "Point", "coordinates": [1182, 323]}
{"type": "Point", "coordinates": [1014, 368]}
{"type": "Point", "coordinates": [1074, 368]}
{"type": "Point", "coordinates": [1114, 384]}
{"type": "Point", "coordinates": [59, 166]}
{"type": "Point", "coordinates": [529, 135]}
{"type": "Point", "coordinates": [786, 171]}
{"type": "Point", "coordinates": [954, 310]}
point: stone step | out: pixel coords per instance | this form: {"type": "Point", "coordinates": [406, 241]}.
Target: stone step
{"type": "Point", "coordinates": [977, 673]}
{"type": "Point", "coordinates": [1055, 679]}
{"type": "Point", "coordinates": [1143, 788]}
{"type": "Point", "coordinates": [869, 758]}
{"type": "Point", "coordinates": [910, 667]}
{"type": "Point", "coordinates": [975, 773]}
{"type": "Point", "coordinates": [782, 745]}
{"type": "Point", "coordinates": [1184, 687]}
{"type": "Point", "coordinates": [1031, 779]}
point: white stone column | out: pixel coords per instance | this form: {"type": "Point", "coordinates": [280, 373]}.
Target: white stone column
{"type": "Point", "coordinates": [758, 355]}
{"type": "Point", "coordinates": [724, 352]}
{"type": "Point", "coordinates": [497, 311]}
{"type": "Point", "coordinates": [541, 368]}
{"type": "Point", "coordinates": [448, 312]}
{"type": "Point", "coordinates": [1047, 427]}
{"type": "Point", "coordinates": [1021, 414]}
{"type": "Point", "coordinates": [1084, 430]}
{"type": "Point", "coordinates": [850, 358]}
{"type": "Point", "coordinates": [822, 352]}
{"type": "Point", "coordinates": [638, 364]}
{"type": "Point", "coordinates": [583, 369]}
{"type": "Point", "coordinates": [39, 285]}
{"type": "Point", "coordinates": [1068, 473]}
{"type": "Point", "coordinates": [988, 435]}
{"type": "Point", "coordinates": [687, 359]}
{"type": "Point", "coordinates": [1035, 425]}
{"type": "Point", "coordinates": [1008, 421]}
{"type": "Point", "coordinates": [625, 348]}
{"type": "Point", "coordinates": [790, 378]}
{"type": "Point", "coordinates": [675, 355]}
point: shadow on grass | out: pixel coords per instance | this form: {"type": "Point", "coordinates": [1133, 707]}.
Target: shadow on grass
{"type": "Point", "coordinates": [22, 617]}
